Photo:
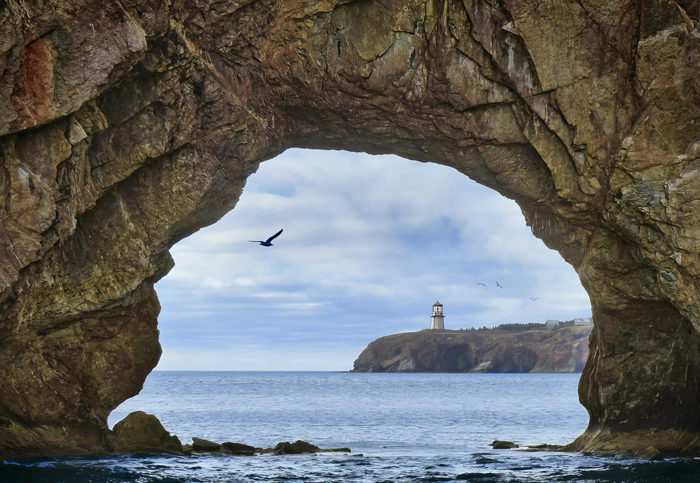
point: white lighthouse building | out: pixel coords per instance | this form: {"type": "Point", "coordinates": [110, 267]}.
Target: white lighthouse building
{"type": "Point", "coordinates": [437, 319]}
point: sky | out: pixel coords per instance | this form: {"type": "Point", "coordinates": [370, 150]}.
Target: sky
{"type": "Point", "coordinates": [370, 243]}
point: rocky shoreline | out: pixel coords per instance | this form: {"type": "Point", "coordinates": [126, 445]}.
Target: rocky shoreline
{"type": "Point", "coordinates": [202, 446]}
{"type": "Point", "coordinates": [140, 432]}
{"type": "Point", "coordinates": [143, 432]}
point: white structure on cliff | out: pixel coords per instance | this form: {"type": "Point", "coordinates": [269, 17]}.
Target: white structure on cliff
{"type": "Point", "coordinates": [437, 319]}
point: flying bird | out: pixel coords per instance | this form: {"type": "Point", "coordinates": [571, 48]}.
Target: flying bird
{"type": "Point", "coordinates": [267, 243]}
{"type": "Point", "coordinates": [533, 299]}
{"type": "Point", "coordinates": [498, 284]}
{"type": "Point", "coordinates": [479, 283]}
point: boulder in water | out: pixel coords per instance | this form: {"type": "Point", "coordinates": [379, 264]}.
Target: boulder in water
{"type": "Point", "coordinates": [237, 449]}
{"type": "Point", "coordinates": [144, 432]}
{"type": "Point", "coordinates": [503, 445]}
{"type": "Point", "coordinates": [203, 445]}
{"type": "Point", "coordinates": [297, 447]}
{"type": "Point", "coordinates": [302, 447]}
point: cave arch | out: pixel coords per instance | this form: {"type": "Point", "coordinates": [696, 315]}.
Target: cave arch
{"type": "Point", "coordinates": [369, 243]}
{"type": "Point", "coordinates": [123, 136]}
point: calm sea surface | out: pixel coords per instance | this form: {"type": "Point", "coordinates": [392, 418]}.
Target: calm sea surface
{"type": "Point", "coordinates": [400, 427]}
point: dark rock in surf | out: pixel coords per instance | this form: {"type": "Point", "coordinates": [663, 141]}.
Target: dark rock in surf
{"type": "Point", "coordinates": [298, 447]}
{"type": "Point", "coordinates": [237, 449]}
{"type": "Point", "coordinates": [203, 446]}
{"type": "Point", "coordinates": [302, 447]}
{"type": "Point", "coordinates": [531, 448]}
{"type": "Point", "coordinates": [503, 445]}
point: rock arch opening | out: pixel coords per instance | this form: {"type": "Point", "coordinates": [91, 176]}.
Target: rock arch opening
{"type": "Point", "coordinates": [368, 242]}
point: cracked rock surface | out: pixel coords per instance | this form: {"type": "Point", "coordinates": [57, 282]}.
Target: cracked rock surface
{"type": "Point", "coordinates": [126, 126]}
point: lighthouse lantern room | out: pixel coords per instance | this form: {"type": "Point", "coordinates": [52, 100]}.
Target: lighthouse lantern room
{"type": "Point", "coordinates": [437, 319]}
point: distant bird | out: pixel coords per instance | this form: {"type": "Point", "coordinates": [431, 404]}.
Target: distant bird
{"type": "Point", "coordinates": [534, 298]}
{"type": "Point", "coordinates": [498, 284]}
{"type": "Point", "coordinates": [267, 243]}
{"type": "Point", "coordinates": [479, 283]}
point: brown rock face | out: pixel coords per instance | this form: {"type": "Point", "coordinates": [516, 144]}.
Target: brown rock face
{"type": "Point", "coordinates": [126, 126]}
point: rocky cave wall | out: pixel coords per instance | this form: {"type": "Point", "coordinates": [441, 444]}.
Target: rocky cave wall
{"type": "Point", "coordinates": [126, 126]}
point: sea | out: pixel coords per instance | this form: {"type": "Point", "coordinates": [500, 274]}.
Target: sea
{"type": "Point", "coordinates": [399, 427]}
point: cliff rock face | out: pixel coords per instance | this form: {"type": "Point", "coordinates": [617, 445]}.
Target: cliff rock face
{"type": "Point", "coordinates": [126, 126]}
{"type": "Point", "coordinates": [545, 350]}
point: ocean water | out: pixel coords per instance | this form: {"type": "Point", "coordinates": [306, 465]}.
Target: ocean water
{"type": "Point", "coordinates": [400, 427]}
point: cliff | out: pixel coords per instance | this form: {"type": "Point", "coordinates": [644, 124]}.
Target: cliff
{"type": "Point", "coordinates": [127, 125]}
{"type": "Point", "coordinates": [544, 350]}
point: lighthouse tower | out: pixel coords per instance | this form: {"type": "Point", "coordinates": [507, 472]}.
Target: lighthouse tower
{"type": "Point", "coordinates": [437, 320]}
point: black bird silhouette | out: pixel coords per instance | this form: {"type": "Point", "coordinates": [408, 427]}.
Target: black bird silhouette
{"type": "Point", "coordinates": [534, 298]}
{"type": "Point", "coordinates": [498, 284]}
{"type": "Point", "coordinates": [479, 283]}
{"type": "Point", "coordinates": [267, 243]}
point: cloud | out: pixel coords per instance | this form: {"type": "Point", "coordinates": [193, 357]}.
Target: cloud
{"type": "Point", "coordinates": [258, 357]}
{"type": "Point", "coordinates": [369, 244]}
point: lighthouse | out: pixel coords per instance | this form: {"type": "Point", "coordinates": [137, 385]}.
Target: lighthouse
{"type": "Point", "coordinates": [437, 319]}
